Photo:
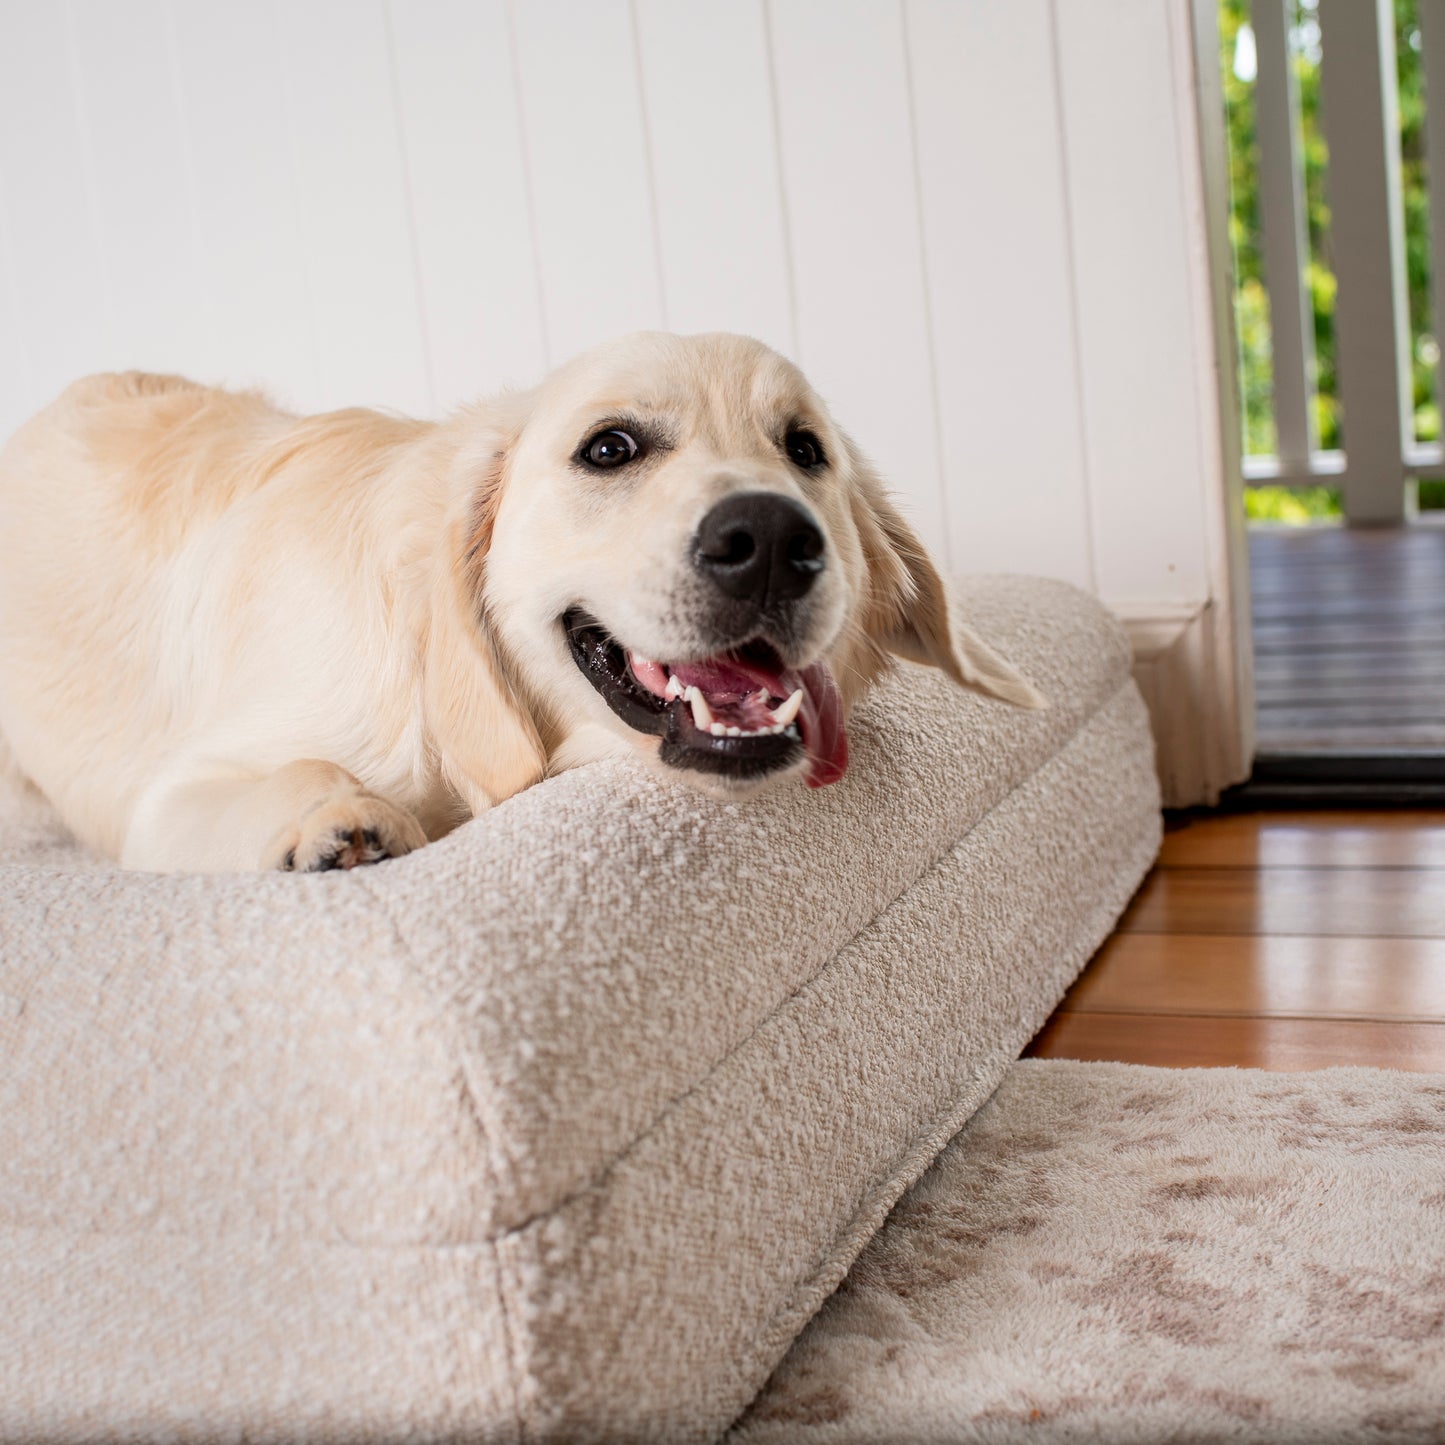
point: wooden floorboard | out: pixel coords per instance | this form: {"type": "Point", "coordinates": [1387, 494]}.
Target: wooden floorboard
{"type": "Point", "coordinates": [1375, 838]}
{"type": "Point", "coordinates": [1349, 638]}
{"type": "Point", "coordinates": [1278, 977]}
{"type": "Point", "coordinates": [1286, 1045]}
{"type": "Point", "coordinates": [1338, 902]}
{"type": "Point", "coordinates": [1286, 940]}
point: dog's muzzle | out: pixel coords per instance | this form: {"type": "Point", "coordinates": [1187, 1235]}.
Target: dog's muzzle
{"type": "Point", "coordinates": [742, 714]}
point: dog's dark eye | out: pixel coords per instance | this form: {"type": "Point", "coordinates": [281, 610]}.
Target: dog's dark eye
{"type": "Point", "coordinates": [609, 449]}
{"type": "Point", "coordinates": [803, 449]}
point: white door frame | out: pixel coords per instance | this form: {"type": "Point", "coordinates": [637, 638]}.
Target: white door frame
{"type": "Point", "coordinates": [1195, 664]}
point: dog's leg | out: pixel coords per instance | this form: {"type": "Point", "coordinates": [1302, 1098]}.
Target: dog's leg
{"type": "Point", "coordinates": [306, 817]}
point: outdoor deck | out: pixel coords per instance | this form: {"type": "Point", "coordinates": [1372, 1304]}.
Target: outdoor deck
{"type": "Point", "coordinates": [1349, 638]}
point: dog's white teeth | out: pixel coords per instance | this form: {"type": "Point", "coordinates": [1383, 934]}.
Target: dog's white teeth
{"type": "Point", "coordinates": [789, 710]}
{"type": "Point", "coordinates": [701, 712]}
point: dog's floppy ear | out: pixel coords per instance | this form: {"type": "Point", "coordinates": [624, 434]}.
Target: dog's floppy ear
{"type": "Point", "coordinates": [489, 741]}
{"type": "Point", "coordinates": [908, 611]}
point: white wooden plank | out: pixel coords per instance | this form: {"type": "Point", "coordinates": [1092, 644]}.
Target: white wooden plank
{"type": "Point", "coordinates": [1139, 353]}
{"type": "Point", "coordinates": [582, 108]}
{"type": "Point", "coordinates": [1220, 736]}
{"type": "Point", "coordinates": [62, 306]}
{"type": "Point", "coordinates": [714, 148]}
{"type": "Point", "coordinates": [361, 269]}
{"type": "Point", "coordinates": [250, 253]}
{"type": "Point", "coordinates": [852, 202]}
{"type": "Point", "coordinates": [1361, 116]}
{"type": "Point", "coordinates": [996, 233]}
{"type": "Point", "coordinates": [1432, 46]}
{"type": "Point", "coordinates": [459, 124]}
{"type": "Point", "coordinates": [128, 93]}
{"type": "Point", "coordinates": [1282, 219]}
{"type": "Point", "coordinates": [17, 399]}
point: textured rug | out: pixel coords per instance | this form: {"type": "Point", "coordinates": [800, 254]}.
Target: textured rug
{"type": "Point", "coordinates": [1119, 1254]}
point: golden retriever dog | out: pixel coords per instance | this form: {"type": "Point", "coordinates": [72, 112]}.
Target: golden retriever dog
{"type": "Point", "coordinates": [234, 638]}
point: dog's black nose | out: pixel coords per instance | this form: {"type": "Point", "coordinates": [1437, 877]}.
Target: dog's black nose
{"type": "Point", "coordinates": [759, 547]}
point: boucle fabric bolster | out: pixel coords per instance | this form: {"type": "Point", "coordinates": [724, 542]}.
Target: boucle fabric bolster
{"type": "Point", "coordinates": [564, 1126]}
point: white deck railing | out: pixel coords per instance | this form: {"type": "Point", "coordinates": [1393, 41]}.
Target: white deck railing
{"type": "Point", "coordinates": [1360, 113]}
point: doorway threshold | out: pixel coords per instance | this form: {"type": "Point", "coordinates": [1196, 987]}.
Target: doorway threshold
{"type": "Point", "coordinates": [1384, 779]}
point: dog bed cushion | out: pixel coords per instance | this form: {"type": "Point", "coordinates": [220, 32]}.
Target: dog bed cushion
{"type": "Point", "coordinates": [561, 1127]}
{"type": "Point", "coordinates": [1109, 1252]}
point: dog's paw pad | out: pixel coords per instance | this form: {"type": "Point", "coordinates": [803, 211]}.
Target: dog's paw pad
{"type": "Point", "coordinates": [349, 848]}
{"type": "Point", "coordinates": [352, 834]}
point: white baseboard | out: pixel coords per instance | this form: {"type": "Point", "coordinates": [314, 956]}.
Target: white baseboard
{"type": "Point", "coordinates": [1199, 742]}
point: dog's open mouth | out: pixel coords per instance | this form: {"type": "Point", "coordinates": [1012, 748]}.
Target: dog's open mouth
{"type": "Point", "coordinates": [742, 714]}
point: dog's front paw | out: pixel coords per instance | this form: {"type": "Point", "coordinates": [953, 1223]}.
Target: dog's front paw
{"type": "Point", "coordinates": [348, 832]}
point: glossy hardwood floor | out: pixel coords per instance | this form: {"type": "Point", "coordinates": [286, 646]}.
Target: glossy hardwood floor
{"type": "Point", "coordinates": [1276, 941]}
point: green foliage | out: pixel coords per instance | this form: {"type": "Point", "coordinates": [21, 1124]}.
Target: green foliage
{"type": "Point", "coordinates": [1251, 320]}
{"type": "Point", "coordinates": [1251, 299]}
{"type": "Point", "coordinates": [1432, 496]}
{"type": "Point", "coordinates": [1297, 506]}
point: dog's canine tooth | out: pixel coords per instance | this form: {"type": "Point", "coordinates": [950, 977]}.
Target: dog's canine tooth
{"type": "Point", "coordinates": [674, 688]}
{"type": "Point", "coordinates": [701, 712]}
{"type": "Point", "coordinates": [789, 710]}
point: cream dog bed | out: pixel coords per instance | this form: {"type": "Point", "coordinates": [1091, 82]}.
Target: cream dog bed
{"type": "Point", "coordinates": [562, 1127]}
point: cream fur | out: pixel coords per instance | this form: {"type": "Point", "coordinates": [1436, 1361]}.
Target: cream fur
{"type": "Point", "coordinates": [230, 636]}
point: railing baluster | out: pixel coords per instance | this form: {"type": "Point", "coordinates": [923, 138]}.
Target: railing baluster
{"type": "Point", "coordinates": [1432, 55]}
{"type": "Point", "coordinates": [1362, 126]}
{"type": "Point", "coordinates": [1286, 245]}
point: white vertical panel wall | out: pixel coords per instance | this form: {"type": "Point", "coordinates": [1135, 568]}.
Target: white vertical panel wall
{"type": "Point", "coordinates": [136, 151]}
{"type": "Point", "coordinates": [245, 203]}
{"type": "Point", "coordinates": [57, 274]}
{"type": "Point", "coordinates": [997, 239]}
{"type": "Point", "coordinates": [968, 222]}
{"type": "Point", "coordinates": [712, 126]}
{"type": "Point", "coordinates": [1138, 352]}
{"type": "Point", "coordinates": [591, 174]}
{"type": "Point", "coordinates": [476, 253]}
{"type": "Point", "coordinates": [851, 187]}
{"type": "Point", "coordinates": [351, 173]}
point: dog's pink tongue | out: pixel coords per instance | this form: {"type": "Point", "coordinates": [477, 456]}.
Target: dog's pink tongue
{"type": "Point", "coordinates": [824, 735]}
{"type": "Point", "coordinates": [820, 718]}
{"type": "Point", "coordinates": [724, 676]}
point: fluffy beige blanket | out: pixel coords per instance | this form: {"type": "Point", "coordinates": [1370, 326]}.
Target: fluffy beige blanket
{"type": "Point", "coordinates": [1113, 1253]}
